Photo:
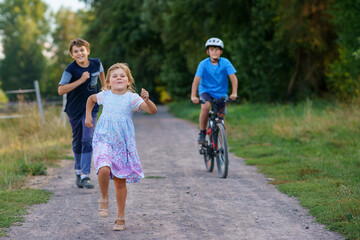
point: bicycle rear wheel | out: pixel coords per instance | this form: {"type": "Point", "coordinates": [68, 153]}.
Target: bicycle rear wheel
{"type": "Point", "coordinates": [208, 154]}
{"type": "Point", "coordinates": [222, 158]}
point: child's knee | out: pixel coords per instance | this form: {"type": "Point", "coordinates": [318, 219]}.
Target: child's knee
{"type": "Point", "coordinates": [104, 170]}
{"type": "Point", "coordinates": [77, 145]}
{"type": "Point", "coordinates": [205, 107]}
{"type": "Point", "coordinates": [120, 183]}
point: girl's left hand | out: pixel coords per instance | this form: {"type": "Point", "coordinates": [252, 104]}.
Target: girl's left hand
{"type": "Point", "coordinates": [144, 95]}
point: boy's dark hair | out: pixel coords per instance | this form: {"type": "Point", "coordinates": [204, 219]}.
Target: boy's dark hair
{"type": "Point", "coordinates": [79, 42]}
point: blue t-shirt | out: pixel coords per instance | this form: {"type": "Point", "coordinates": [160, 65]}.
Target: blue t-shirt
{"type": "Point", "coordinates": [76, 99]}
{"type": "Point", "coordinates": [214, 77]}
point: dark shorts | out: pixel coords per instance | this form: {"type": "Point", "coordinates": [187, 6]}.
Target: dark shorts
{"type": "Point", "coordinates": [221, 107]}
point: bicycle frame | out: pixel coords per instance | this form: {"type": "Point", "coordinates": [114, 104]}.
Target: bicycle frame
{"type": "Point", "coordinates": [216, 145]}
{"type": "Point", "coordinates": [213, 120]}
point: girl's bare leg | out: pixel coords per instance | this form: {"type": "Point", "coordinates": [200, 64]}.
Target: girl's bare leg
{"type": "Point", "coordinates": [103, 180]}
{"type": "Point", "coordinates": [121, 193]}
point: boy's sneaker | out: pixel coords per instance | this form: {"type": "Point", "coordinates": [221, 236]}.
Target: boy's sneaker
{"type": "Point", "coordinates": [78, 181]}
{"type": "Point", "coordinates": [86, 183]}
{"type": "Point", "coordinates": [201, 139]}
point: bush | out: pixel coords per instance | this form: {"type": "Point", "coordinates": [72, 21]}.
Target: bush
{"type": "Point", "coordinates": [33, 168]}
{"type": "Point", "coordinates": [3, 98]}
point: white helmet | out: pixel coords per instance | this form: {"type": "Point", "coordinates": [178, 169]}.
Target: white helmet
{"type": "Point", "coordinates": [214, 42]}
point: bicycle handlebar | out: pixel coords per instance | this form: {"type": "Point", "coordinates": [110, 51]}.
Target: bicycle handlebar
{"type": "Point", "coordinates": [221, 100]}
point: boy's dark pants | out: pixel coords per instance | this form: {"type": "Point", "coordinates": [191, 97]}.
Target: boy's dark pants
{"type": "Point", "coordinates": [82, 143]}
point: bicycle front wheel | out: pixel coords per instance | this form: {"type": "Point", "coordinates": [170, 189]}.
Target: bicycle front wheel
{"type": "Point", "coordinates": [208, 154]}
{"type": "Point", "coordinates": [222, 158]}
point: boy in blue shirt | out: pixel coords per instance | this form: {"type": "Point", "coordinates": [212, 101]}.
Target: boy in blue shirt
{"type": "Point", "coordinates": [79, 81]}
{"type": "Point", "coordinates": [212, 83]}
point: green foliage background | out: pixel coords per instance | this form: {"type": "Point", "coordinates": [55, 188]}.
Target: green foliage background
{"type": "Point", "coordinates": [23, 28]}
{"type": "Point", "coordinates": [282, 49]}
{"type": "Point", "coordinates": [344, 72]}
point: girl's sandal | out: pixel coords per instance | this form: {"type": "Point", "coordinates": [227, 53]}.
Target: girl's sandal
{"type": "Point", "coordinates": [119, 226]}
{"type": "Point", "coordinates": [103, 212]}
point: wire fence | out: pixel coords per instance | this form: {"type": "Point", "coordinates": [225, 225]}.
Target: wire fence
{"type": "Point", "coordinates": [12, 107]}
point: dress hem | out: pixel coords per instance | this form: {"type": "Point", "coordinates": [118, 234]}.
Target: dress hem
{"type": "Point", "coordinates": [129, 178]}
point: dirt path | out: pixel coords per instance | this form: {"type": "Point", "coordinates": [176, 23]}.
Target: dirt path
{"type": "Point", "coordinates": [179, 200]}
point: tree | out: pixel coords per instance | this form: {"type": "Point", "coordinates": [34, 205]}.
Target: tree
{"type": "Point", "coordinates": [263, 64]}
{"type": "Point", "coordinates": [118, 34]}
{"type": "Point", "coordinates": [306, 29]}
{"type": "Point", "coordinates": [24, 29]}
{"type": "Point", "coordinates": [68, 25]}
{"type": "Point", "coordinates": [344, 73]}
{"type": "Point", "coordinates": [183, 28]}
{"type": "Point", "coordinates": [281, 48]}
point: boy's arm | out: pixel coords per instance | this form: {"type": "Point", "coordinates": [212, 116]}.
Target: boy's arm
{"type": "Point", "coordinates": [147, 105]}
{"type": "Point", "coordinates": [102, 81]}
{"type": "Point", "coordinates": [71, 86]}
{"type": "Point", "coordinates": [194, 88]}
{"type": "Point", "coordinates": [89, 107]}
{"type": "Point", "coordinates": [234, 84]}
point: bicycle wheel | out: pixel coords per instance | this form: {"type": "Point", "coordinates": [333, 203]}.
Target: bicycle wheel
{"type": "Point", "coordinates": [208, 154]}
{"type": "Point", "coordinates": [222, 159]}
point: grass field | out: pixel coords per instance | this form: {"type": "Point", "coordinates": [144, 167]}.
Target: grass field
{"type": "Point", "coordinates": [28, 148]}
{"type": "Point", "coordinates": [310, 150]}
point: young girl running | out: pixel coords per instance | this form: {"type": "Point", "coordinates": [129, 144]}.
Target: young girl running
{"type": "Point", "coordinates": [114, 147]}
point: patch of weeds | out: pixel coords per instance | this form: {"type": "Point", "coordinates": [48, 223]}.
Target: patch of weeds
{"type": "Point", "coordinates": [67, 157]}
{"type": "Point", "coordinates": [348, 204]}
{"type": "Point", "coordinates": [307, 172]}
{"type": "Point", "coordinates": [33, 168]}
{"type": "Point", "coordinates": [336, 144]}
{"type": "Point", "coordinates": [157, 177]}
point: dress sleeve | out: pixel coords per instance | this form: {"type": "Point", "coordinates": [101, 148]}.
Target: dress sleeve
{"type": "Point", "coordinates": [100, 98]}
{"type": "Point", "coordinates": [136, 100]}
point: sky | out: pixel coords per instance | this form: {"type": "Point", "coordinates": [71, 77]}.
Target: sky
{"type": "Point", "coordinates": [56, 4]}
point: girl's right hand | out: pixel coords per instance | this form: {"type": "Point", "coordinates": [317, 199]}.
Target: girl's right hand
{"type": "Point", "coordinates": [89, 122]}
{"type": "Point", "coordinates": [144, 95]}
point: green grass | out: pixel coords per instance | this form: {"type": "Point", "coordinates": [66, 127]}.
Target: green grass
{"type": "Point", "coordinates": [26, 149]}
{"type": "Point", "coordinates": [13, 205]}
{"type": "Point", "coordinates": [311, 150]}
{"type": "Point", "coordinates": [154, 177]}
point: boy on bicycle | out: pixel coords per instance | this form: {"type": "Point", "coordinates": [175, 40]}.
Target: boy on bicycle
{"type": "Point", "coordinates": [212, 83]}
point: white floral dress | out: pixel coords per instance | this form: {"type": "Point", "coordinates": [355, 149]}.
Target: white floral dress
{"type": "Point", "coordinates": [114, 137]}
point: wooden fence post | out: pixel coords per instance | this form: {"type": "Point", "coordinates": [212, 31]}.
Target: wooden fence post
{"type": "Point", "coordinates": [63, 115]}
{"type": "Point", "coordinates": [38, 99]}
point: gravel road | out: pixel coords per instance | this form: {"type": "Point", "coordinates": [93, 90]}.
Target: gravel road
{"type": "Point", "coordinates": [177, 200]}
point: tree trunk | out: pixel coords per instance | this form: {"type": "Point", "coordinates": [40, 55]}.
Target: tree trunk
{"type": "Point", "coordinates": [293, 77]}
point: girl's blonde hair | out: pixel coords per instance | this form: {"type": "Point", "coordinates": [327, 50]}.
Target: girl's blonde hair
{"type": "Point", "coordinates": [127, 71]}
